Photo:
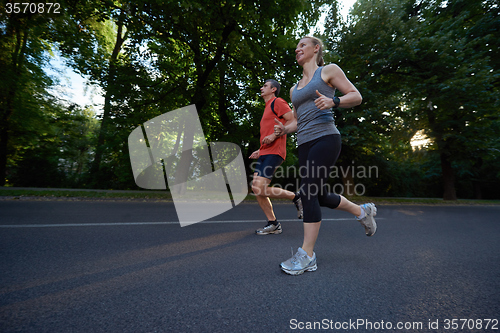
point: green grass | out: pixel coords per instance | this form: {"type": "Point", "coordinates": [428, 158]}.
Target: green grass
{"type": "Point", "coordinates": [18, 193]}
{"type": "Point", "coordinates": [86, 194]}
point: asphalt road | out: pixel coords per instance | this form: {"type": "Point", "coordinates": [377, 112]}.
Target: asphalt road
{"type": "Point", "coordinates": [129, 267]}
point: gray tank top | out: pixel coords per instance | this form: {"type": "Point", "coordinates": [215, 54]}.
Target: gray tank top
{"type": "Point", "coordinates": [312, 122]}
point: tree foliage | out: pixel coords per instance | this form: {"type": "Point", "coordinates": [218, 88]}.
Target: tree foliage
{"type": "Point", "coordinates": [427, 65]}
{"type": "Point", "coordinates": [24, 48]}
{"type": "Point", "coordinates": [419, 64]}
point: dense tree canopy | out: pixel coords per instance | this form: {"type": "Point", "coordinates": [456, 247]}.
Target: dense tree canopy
{"type": "Point", "coordinates": [425, 65]}
{"type": "Point", "coordinates": [428, 66]}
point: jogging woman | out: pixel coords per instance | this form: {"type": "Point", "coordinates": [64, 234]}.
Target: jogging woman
{"type": "Point", "coordinates": [319, 143]}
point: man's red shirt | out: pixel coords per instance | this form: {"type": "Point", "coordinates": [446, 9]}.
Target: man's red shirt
{"type": "Point", "coordinates": [278, 147]}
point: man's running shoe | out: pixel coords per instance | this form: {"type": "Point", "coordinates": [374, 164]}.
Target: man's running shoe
{"type": "Point", "coordinates": [368, 221]}
{"type": "Point", "coordinates": [270, 229]}
{"type": "Point", "coordinates": [299, 263]}
{"type": "Point", "coordinates": [300, 209]}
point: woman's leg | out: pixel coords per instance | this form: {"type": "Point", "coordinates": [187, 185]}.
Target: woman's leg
{"type": "Point", "coordinates": [311, 231]}
{"type": "Point", "coordinates": [316, 160]}
{"type": "Point", "coordinates": [365, 213]}
{"type": "Point", "coordinates": [348, 206]}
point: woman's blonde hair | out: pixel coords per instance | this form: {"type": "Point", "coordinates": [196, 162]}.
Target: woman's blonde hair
{"type": "Point", "coordinates": [319, 56]}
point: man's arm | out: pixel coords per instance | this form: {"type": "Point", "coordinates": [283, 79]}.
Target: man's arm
{"type": "Point", "coordinates": [289, 118]}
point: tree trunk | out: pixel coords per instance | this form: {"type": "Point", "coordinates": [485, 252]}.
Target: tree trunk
{"type": "Point", "coordinates": [222, 96]}
{"type": "Point", "coordinates": [449, 192]}
{"type": "Point", "coordinates": [347, 180]}
{"type": "Point", "coordinates": [106, 117]}
{"type": "Point", "coordinates": [448, 174]}
{"type": "Point", "coordinates": [478, 194]}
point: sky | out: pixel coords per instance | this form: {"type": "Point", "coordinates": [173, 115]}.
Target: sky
{"type": "Point", "coordinates": [73, 86]}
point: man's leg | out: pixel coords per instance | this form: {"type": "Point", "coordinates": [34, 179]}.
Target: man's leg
{"type": "Point", "coordinates": [259, 184]}
{"type": "Point", "coordinates": [262, 190]}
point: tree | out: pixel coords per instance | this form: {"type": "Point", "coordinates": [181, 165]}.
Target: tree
{"type": "Point", "coordinates": [23, 51]}
{"type": "Point", "coordinates": [359, 48]}
{"type": "Point", "coordinates": [55, 146]}
{"type": "Point", "coordinates": [92, 39]}
{"type": "Point", "coordinates": [211, 54]}
{"type": "Point", "coordinates": [424, 70]}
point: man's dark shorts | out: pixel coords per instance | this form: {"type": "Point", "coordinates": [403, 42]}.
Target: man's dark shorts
{"type": "Point", "coordinates": [267, 164]}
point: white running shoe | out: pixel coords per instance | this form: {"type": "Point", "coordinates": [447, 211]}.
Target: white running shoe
{"type": "Point", "coordinates": [299, 263]}
{"type": "Point", "coordinates": [368, 221]}
{"type": "Point", "coordinates": [270, 229]}
{"type": "Point", "coordinates": [300, 209]}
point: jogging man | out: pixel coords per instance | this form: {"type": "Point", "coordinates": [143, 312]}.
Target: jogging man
{"type": "Point", "coordinates": [271, 154]}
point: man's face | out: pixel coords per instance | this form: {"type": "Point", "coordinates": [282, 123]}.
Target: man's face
{"type": "Point", "coordinates": [267, 89]}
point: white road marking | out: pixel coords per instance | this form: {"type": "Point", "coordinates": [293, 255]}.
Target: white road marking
{"type": "Point", "coordinates": [116, 224]}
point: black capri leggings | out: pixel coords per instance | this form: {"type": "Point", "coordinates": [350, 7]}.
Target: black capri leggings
{"type": "Point", "coordinates": [316, 160]}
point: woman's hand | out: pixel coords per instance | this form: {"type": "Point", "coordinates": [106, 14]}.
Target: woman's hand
{"type": "Point", "coordinates": [323, 102]}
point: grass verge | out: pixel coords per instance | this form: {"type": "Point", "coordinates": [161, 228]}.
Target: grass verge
{"type": "Point", "coordinates": [19, 193]}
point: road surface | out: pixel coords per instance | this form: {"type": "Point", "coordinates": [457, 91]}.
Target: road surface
{"type": "Point", "coordinates": [127, 266]}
